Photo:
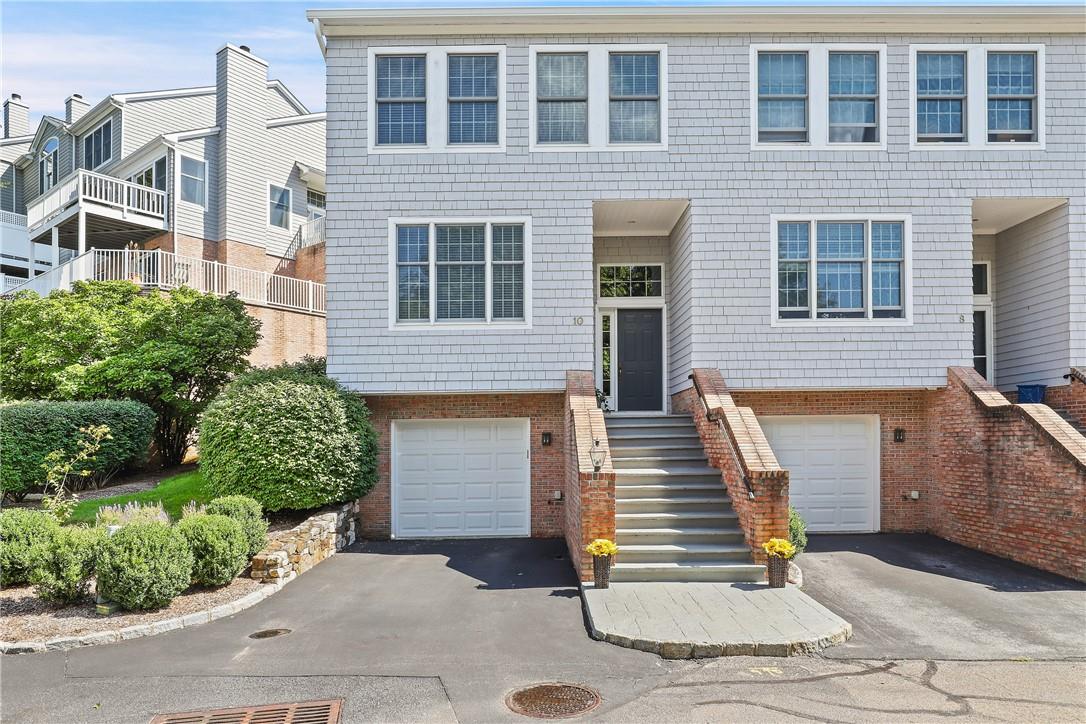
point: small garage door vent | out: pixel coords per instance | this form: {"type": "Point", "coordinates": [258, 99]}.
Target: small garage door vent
{"type": "Point", "coordinates": [305, 712]}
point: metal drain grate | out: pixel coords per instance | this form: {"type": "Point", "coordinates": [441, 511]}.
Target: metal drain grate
{"type": "Point", "coordinates": [304, 712]}
{"type": "Point", "coordinates": [552, 701]}
{"type": "Point", "coordinates": [269, 633]}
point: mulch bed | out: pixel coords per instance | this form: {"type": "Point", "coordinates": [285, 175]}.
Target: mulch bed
{"type": "Point", "coordinates": [25, 617]}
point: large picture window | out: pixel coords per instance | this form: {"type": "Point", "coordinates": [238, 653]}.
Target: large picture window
{"type": "Point", "coordinates": [459, 272]}
{"type": "Point", "coordinates": [98, 146]}
{"type": "Point", "coordinates": [840, 269]}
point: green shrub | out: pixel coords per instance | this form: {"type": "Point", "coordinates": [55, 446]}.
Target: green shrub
{"type": "Point", "coordinates": [67, 563]}
{"type": "Point", "coordinates": [219, 548]}
{"type": "Point", "coordinates": [797, 530]}
{"type": "Point", "coordinates": [29, 431]}
{"type": "Point", "coordinates": [23, 536]}
{"type": "Point", "coordinates": [288, 439]}
{"type": "Point", "coordinates": [246, 512]}
{"type": "Point", "coordinates": [144, 565]}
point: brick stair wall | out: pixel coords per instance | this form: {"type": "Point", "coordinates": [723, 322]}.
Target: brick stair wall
{"type": "Point", "coordinates": [1010, 479]}
{"type": "Point", "coordinates": [736, 445]}
{"type": "Point", "coordinates": [1070, 399]}
{"type": "Point", "coordinates": [589, 493]}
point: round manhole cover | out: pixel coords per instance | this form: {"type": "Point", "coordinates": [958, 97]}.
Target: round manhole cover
{"type": "Point", "coordinates": [552, 701]}
{"type": "Point", "coordinates": [269, 633]}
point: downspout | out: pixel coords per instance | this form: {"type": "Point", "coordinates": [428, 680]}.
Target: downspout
{"type": "Point", "coordinates": [320, 37]}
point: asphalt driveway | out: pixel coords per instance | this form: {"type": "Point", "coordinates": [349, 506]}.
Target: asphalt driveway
{"type": "Point", "coordinates": [436, 631]}
{"type": "Point", "coordinates": [920, 597]}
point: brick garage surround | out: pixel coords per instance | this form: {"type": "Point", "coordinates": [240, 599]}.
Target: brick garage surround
{"type": "Point", "coordinates": [1009, 479]}
{"type": "Point", "coordinates": [903, 467]}
{"type": "Point", "coordinates": [545, 412]}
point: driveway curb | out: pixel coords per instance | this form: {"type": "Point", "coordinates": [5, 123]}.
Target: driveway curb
{"type": "Point", "coordinates": [709, 620]}
{"type": "Point", "coordinates": [63, 643]}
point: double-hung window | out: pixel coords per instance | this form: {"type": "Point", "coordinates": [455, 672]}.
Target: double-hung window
{"type": "Point", "coordinates": [782, 97]}
{"type": "Point", "coordinates": [401, 100]}
{"type": "Point", "coordinates": [473, 99]}
{"type": "Point", "coordinates": [634, 110]}
{"type": "Point", "coordinates": [194, 181]}
{"type": "Point", "coordinates": [840, 269]}
{"type": "Point", "coordinates": [279, 199]}
{"type": "Point", "coordinates": [977, 96]}
{"type": "Point", "coordinates": [562, 98]}
{"type": "Point", "coordinates": [853, 97]}
{"type": "Point", "coordinates": [98, 146]}
{"type": "Point", "coordinates": [456, 272]}
{"type": "Point", "coordinates": [1012, 97]}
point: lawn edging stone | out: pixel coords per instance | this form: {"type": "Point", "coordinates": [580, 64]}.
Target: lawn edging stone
{"type": "Point", "coordinates": [317, 538]}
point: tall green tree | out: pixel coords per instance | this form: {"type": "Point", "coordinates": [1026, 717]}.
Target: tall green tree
{"type": "Point", "coordinates": [173, 351]}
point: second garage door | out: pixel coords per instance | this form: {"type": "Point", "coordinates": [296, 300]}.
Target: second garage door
{"type": "Point", "coordinates": [833, 468]}
{"type": "Point", "coordinates": [460, 478]}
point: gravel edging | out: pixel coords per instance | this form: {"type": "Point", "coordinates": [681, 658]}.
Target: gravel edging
{"type": "Point", "coordinates": [63, 643]}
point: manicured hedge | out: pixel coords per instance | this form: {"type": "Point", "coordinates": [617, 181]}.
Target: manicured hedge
{"type": "Point", "coordinates": [67, 563]}
{"type": "Point", "coordinates": [29, 431]}
{"type": "Point", "coordinates": [248, 514]}
{"type": "Point", "coordinates": [219, 548]}
{"type": "Point", "coordinates": [23, 537]}
{"type": "Point", "coordinates": [144, 565]}
{"type": "Point", "coordinates": [290, 439]}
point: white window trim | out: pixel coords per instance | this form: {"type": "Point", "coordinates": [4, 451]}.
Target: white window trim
{"type": "Point", "coordinates": [147, 167]}
{"type": "Point", "coordinates": [984, 298]}
{"type": "Point", "coordinates": [290, 207]}
{"type": "Point", "coordinates": [83, 141]}
{"type": "Point", "coordinates": [599, 96]}
{"type": "Point", "coordinates": [394, 322]}
{"type": "Point", "coordinates": [437, 99]}
{"type": "Point", "coordinates": [865, 322]}
{"type": "Point", "coordinates": [618, 302]}
{"type": "Point", "coordinates": [986, 303]}
{"type": "Point", "coordinates": [43, 188]}
{"type": "Point", "coordinates": [181, 175]}
{"type": "Point", "coordinates": [818, 96]}
{"type": "Point", "coordinates": [976, 96]}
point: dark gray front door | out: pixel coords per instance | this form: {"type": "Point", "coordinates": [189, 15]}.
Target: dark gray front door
{"type": "Point", "coordinates": [640, 360]}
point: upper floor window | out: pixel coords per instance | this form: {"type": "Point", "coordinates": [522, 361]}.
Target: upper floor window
{"type": "Point", "coordinates": [408, 113]}
{"type": "Point", "coordinates": [839, 269]}
{"type": "Point", "coordinates": [194, 181]}
{"type": "Point", "coordinates": [818, 96]}
{"type": "Point", "coordinates": [153, 177]}
{"type": "Point", "coordinates": [596, 97]}
{"type": "Point", "coordinates": [459, 272]}
{"type": "Point", "coordinates": [977, 96]}
{"type": "Point", "coordinates": [48, 165]}
{"type": "Point", "coordinates": [98, 146]}
{"type": "Point", "coordinates": [279, 206]}
{"type": "Point", "coordinates": [473, 99]}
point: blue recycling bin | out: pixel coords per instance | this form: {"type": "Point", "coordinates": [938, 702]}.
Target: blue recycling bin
{"type": "Point", "coordinates": [1031, 393]}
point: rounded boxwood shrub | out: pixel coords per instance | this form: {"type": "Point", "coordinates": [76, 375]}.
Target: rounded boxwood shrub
{"type": "Point", "coordinates": [23, 536]}
{"type": "Point", "coordinates": [797, 530]}
{"type": "Point", "coordinates": [144, 565]}
{"type": "Point", "coordinates": [67, 563]}
{"type": "Point", "coordinates": [248, 513]}
{"type": "Point", "coordinates": [290, 439]}
{"type": "Point", "coordinates": [29, 431]}
{"type": "Point", "coordinates": [219, 548]}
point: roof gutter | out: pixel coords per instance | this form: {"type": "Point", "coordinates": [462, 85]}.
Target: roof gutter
{"type": "Point", "coordinates": [320, 35]}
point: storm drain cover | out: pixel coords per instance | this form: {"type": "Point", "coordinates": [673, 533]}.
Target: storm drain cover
{"type": "Point", "coordinates": [269, 633]}
{"type": "Point", "coordinates": [304, 712]}
{"type": "Point", "coordinates": [553, 701]}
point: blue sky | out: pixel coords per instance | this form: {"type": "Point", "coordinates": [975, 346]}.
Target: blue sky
{"type": "Point", "coordinates": [53, 49]}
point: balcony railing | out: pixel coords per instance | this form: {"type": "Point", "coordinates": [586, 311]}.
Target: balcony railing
{"type": "Point", "coordinates": [165, 270]}
{"type": "Point", "coordinates": [308, 234]}
{"type": "Point", "coordinates": [10, 217]}
{"type": "Point", "coordinates": [88, 187]}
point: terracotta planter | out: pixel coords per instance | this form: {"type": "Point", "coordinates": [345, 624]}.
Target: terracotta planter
{"type": "Point", "coordinates": [778, 572]}
{"type": "Point", "coordinates": [601, 571]}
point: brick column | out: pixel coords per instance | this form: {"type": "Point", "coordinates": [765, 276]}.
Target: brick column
{"type": "Point", "coordinates": [590, 493]}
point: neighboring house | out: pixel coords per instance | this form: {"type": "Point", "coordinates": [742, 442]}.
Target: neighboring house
{"type": "Point", "coordinates": [843, 211]}
{"type": "Point", "coordinates": [225, 181]}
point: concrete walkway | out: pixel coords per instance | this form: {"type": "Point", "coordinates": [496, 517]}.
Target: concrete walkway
{"type": "Point", "coordinates": [704, 620]}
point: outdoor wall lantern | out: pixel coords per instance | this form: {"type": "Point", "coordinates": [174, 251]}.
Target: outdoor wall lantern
{"type": "Point", "coordinates": [597, 455]}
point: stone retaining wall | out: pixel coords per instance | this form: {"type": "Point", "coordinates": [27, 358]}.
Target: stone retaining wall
{"type": "Point", "coordinates": [305, 545]}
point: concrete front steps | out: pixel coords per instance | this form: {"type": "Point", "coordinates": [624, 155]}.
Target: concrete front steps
{"type": "Point", "coordinates": [673, 518]}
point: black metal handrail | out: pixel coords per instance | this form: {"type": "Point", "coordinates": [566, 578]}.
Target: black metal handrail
{"type": "Point", "coordinates": [723, 431]}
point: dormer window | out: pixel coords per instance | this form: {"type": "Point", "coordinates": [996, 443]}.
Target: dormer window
{"type": "Point", "coordinates": [48, 165]}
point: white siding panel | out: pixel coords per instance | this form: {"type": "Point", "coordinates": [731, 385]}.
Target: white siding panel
{"type": "Point", "coordinates": [147, 119]}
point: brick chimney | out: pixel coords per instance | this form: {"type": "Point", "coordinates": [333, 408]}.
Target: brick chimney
{"type": "Point", "coordinates": [241, 113]}
{"type": "Point", "coordinates": [74, 108]}
{"type": "Point", "coordinates": [16, 117]}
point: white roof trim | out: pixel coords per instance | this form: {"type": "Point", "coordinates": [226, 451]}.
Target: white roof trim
{"type": "Point", "coordinates": [291, 120]}
{"type": "Point", "coordinates": [313, 177]}
{"type": "Point", "coordinates": [291, 98]}
{"type": "Point", "coordinates": [189, 135]}
{"type": "Point", "coordinates": [729, 19]}
{"type": "Point", "coordinates": [157, 95]}
{"type": "Point", "coordinates": [246, 53]}
{"type": "Point", "coordinates": [17, 139]}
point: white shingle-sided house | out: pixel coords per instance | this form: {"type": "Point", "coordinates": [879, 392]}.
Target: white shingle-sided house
{"type": "Point", "coordinates": [225, 183]}
{"type": "Point", "coordinates": [799, 248]}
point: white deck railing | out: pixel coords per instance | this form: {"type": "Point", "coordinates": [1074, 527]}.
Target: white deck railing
{"type": "Point", "coordinates": [308, 234]}
{"type": "Point", "coordinates": [165, 270]}
{"type": "Point", "coordinates": [10, 217]}
{"type": "Point", "coordinates": [96, 188]}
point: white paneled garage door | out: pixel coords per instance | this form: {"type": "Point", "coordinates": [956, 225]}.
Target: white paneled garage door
{"type": "Point", "coordinates": [833, 468]}
{"type": "Point", "coordinates": [460, 478]}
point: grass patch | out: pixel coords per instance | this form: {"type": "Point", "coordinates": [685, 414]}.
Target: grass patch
{"type": "Point", "coordinates": [173, 493]}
